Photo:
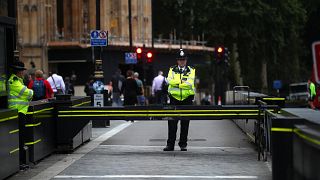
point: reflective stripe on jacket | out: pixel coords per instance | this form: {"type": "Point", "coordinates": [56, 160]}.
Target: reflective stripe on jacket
{"type": "Point", "coordinates": [181, 84]}
{"type": "Point", "coordinates": [19, 94]}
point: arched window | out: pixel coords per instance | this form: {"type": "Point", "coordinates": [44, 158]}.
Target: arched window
{"type": "Point", "coordinates": [34, 25]}
{"type": "Point", "coordinates": [25, 25]}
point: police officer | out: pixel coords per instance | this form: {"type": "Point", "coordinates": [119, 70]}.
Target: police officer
{"type": "Point", "coordinates": [19, 98]}
{"type": "Point", "coordinates": [311, 94]}
{"type": "Point", "coordinates": [181, 92]}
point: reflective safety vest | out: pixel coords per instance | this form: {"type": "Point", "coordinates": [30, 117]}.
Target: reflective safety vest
{"type": "Point", "coordinates": [19, 95]}
{"type": "Point", "coordinates": [312, 90]}
{"type": "Point", "coordinates": [181, 84]}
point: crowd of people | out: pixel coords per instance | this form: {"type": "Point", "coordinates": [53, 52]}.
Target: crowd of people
{"type": "Point", "coordinates": [44, 86]}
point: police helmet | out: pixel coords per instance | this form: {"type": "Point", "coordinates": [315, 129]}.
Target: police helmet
{"type": "Point", "coordinates": [18, 65]}
{"type": "Point", "coordinates": [181, 55]}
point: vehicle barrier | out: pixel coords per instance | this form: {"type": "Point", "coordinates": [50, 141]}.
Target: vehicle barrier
{"type": "Point", "coordinates": [295, 143]}
{"type": "Point", "coordinates": [9, 142]}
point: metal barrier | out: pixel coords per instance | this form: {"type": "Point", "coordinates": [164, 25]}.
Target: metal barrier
{"type": "Point", "coordinates": [9, 142]}
{"type": "Point", "coordinates": [167, 113]}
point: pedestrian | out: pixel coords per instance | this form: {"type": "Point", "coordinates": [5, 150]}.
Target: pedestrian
{"type": "Point", "coordinates": [19, 98]}
{"type": "Point", "coordinates": [30, 74]}
{"type": "Point", "coordinates": [206, 99]}
{"type": "Point", "coordinates": [140, 94]}
{"type": "Point", "coordinates": [57, 83]}
{"type": "Point", "coordinates": [88, 88]}
{"type": "Point", "coordinates": [130, 89]}
{"type": "Point", "coordinates": [41, 87]}
{"type": "Point", "coordinates": [311, 94]}
{"type": "Point", "coordinates": [116, 83]}
{"type": "Point", "coordinates": [73, 78]}
{"type": "Point", "coordinates": [181, 92]}
{"type": "Point", "coordinates": [69, 86]}
{"type": "Point", "coordinates": [158, 89]}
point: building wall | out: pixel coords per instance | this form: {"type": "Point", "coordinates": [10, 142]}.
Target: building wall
{"type": "Point", "coordinates": [38, 24]}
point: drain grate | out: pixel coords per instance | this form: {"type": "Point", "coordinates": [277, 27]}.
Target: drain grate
{"type": "Point", "coordinates": [161, 140]}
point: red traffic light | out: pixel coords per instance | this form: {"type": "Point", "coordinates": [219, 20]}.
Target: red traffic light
{"type": "Point", "coordinates": [220, 49]}
{"type": "Point", "coordinates": [139, 50]}
{"type": "Point", "coordinates": [149, 55]}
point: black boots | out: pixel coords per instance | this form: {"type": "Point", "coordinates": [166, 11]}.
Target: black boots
{"type": "Point", "coordinates": [171, 148]}
{"type": "Point", "coordinates": [168, 148]}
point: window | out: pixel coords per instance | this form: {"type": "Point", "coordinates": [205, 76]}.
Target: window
{"type": "Point", "coordinates": [3, 7]}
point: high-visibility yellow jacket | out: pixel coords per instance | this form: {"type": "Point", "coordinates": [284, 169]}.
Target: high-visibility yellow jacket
{"type": "Point", "coordinates": [312, 90]}
{"type": "Point", "coordinates": [181, 84]}
{"type": "Point", "coordinates": [19, 95]}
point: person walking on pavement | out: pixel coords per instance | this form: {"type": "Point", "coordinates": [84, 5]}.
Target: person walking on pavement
{"type": "Point", "coordinates": [41, 87]}
{"type": "Point", "coordinates": [116, 83]}
{"type": "Point", "coordinates": [311, 94]}
{"type": "Point", "coordinates": [157, 89]}
{"type": "Point", "coordinates": [140, 95]}
{"type": "Point", "coordinates": [69, 86]}
{"type": "Point", "coordinates": [181, 92]}
{"type": "Point", "coordinates": [130, 89]}
{"type": "Point", "coordinates": [19, 98]}
{"type": "Point", "coordinates": [57, 83]}
{"type": "Point", "coordinates": [88, 88]}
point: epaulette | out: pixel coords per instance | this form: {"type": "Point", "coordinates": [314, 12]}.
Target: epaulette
{"type": "Point", "coordinates": [174, 66]}
{"type": "Point", "coordinates": [192, 67]}
{"type": "Point", "coordinates": [15, 79]}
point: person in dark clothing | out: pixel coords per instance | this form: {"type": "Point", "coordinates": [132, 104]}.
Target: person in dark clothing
{"type": "Point", "coordinates": [116, 83]}
{"type": "Point", "coordinates": [130, 89]}
{"type": "Point", "coordinates": [69, 86]}
{"type": "Point", "coordinates": [88, 88]}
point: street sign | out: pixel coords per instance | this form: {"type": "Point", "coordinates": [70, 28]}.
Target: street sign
{"type": "Point", "coordinates": [130, 58]}
{"type": "Point", "coordinates": [316, 60]}
{"type": "Point", "coordinates": [99, 38]}
{"type": "Point", "coordinates": [98, 86]}
{"type": "Point", "coordinates": [277, 84]}
{"type": "Point", "coordinates": [98, 100]}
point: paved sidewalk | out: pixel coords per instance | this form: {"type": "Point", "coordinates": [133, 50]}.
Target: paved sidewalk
{"type": "Point", "coordinates": [51, 160]}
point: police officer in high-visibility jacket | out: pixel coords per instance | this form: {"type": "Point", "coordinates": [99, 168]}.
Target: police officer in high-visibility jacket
{"type": "Point", "coordinates": [181, 92]}
{"type": "Point", "coordinates": [19, 98]}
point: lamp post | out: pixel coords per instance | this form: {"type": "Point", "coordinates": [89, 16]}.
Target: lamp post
{"type": "Point", "coordinates": [180, 2]}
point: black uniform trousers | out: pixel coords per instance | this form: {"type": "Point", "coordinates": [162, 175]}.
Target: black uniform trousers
{"type": "Point", "coordinates": [173, 125]}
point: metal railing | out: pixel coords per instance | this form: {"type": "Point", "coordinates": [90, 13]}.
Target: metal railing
{"type": "Point", "coordinates": [84, 39]}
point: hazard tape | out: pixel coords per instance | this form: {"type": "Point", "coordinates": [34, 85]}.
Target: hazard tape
{"type": "Point", "coordinates": [35, 112]}
{"type": "Point", "coordinates": [32, 143]}
{"type": "Point", "coordinates": [8, 118]}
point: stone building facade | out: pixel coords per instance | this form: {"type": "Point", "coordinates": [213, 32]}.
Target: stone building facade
{"type": "Point", "coordinates": [43, 24]}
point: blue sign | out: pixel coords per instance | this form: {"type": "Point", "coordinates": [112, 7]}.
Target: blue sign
{"type": "Point", "coordinates": [98, 86]}
{"type": "Point", "coordinates": [130, 58]}
{"type": "Point", "coordinates": [99, 38]}
{"type": "Point", "coordinates": [277, 84]}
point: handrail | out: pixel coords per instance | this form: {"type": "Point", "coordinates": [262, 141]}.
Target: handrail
{"type": "Point", "coordinates": [238, 87]}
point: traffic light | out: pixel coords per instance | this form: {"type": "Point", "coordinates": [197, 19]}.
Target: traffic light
{"type": "Point", "coordinates": [149, 57]}
{"type": "Point", "coordinates": [139, 53]}
{"type": "Point", "coordinates": [221, 53]}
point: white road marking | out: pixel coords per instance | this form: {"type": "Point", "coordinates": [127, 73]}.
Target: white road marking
{"type": "Point", "coordinates": [189, 147]}
{"type": "Point", "coordinates": [59, 166]}
{"type": "Point", "coordinates": [269, 166]}
{"type": "Point", "coordinates": [155, 176]}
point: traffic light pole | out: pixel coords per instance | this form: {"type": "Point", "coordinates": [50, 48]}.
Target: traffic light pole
{"type": "Point", "coordinates": [180, 2]}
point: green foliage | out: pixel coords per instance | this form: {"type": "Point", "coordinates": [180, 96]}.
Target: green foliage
{"type": "Point", "coordinates": [264, 31]}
